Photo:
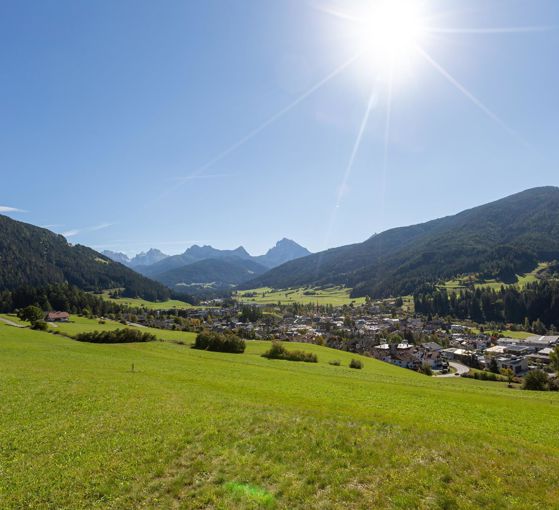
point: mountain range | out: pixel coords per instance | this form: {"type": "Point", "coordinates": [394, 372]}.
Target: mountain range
{"type": "Point", "coordinates": [496, 240]}
{"type": "Point", "coordinates": [148, 258]}
{"type": "Point", "coordinates": [205, 265]}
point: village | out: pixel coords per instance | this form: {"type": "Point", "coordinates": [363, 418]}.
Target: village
{"type": "Point", "coordinates": [379, 330]}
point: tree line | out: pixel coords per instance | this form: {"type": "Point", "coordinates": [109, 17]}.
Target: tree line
{"type": "Point", "coordinates": [60, 297]}
{"type": "Point", "coordinates": [536, 303]}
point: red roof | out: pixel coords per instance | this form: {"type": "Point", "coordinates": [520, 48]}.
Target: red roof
{"type": "Point", "coordinates": [57, 315]}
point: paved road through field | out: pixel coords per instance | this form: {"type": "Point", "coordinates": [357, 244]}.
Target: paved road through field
{"type": "Point", "coordinates": [10, 323]}
{"type": "Point", "coordinates": [460, 369]}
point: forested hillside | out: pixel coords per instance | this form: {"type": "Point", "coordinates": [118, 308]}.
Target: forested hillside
{"type": "Point", "coordinates": [33, 256]}
{"type": "Point", "coordinates": [537, 302]}
{"type": "Point", "coordinates": [497, 240]}
{"type": "Point", "coordinates": [219, 273]}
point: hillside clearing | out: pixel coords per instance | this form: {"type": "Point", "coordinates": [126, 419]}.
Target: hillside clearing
{"type": "Point", "coordinates": [473, 280]}
{"type": "Point", "coordinates": [149, 305]}
{"type": "Point", "coordinates": [335, 296]}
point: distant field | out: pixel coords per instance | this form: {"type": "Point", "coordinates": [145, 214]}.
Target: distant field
{"type": "Point", "coordinates": [150, 305]}
{"type": "Point", "coordinates": [335, 296]}
{"type": "Point", "coordinates": [191, 430]}
{"type": "Point", "coordinates": [523, 280]}
{"type": "Point", "coordinates": [506, 333]}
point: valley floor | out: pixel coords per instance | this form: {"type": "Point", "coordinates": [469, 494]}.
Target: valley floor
{"type": "Point", "coordinates": [188, 429]}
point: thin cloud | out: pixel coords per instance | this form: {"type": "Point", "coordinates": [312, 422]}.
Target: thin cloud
{"type": "Point", "coordinates": [75, 231]}
{"type": "Point", "coordinates": [70, 233]}
{"type": "Point", "coordinates": [101, 226]}
{"type": "Point", "coordinates": [195, 177]}
{"type": "Point", "coordinates": [7, 209]}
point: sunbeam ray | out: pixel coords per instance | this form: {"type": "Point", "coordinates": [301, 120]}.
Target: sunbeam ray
{"type": "Point", "coordinates": [495, 30]}
{"type": "Point", "coordinates": [370, 104]}
{"type": "Point", "coordinates": [273, 118]}
{"type": "Point", "coordinates": [493, 116]}
{"type": "Point", "coordinates": [387, 126]}
{"type": "Point", "coordinates": [347, 172]}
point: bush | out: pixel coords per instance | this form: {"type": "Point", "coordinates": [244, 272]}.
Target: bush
{"type": "Point", "coordinates": [218, 342]}
{"type": "Point", "coordinates": [39, 325]}
{"type": "Point", "coordinates": [335, 362]}
{"type": "Point", "coordinates": [355, 363]}
{"type": "Point", "coordinates": [118, 336]}
{"type": "Point", "coordinates": [553, 384]}
{"type": "Point", "coordinates": [31, 314]}
{"type": "Point", "coordinates": [536, 380]}
{"type": "Point", "coordinates": [426, 369]}
{"type": "Point", "coordinates": [278, 351]}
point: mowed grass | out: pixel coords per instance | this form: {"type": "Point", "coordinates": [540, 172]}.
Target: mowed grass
{"type": "Point", "coordinates": [149, 305]}
{"type": "Point", "coordinates": [523, 279]}
{"type": "Point", "coordinates": [190, 429]}
{"type": "Point", "coordinates": [79, 324]}
{"type": "Point", "coordinates": [507, 333]}
{"type": "Point", "coordinates": [12, 317]}
{"type": "Point", "coordinates": [335, 296]}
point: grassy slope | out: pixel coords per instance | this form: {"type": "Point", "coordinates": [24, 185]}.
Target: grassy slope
{"type": "Point", "coordinates": [336, 296]}
{"type": "Point", "coordinates": [150, 305]}
{"type": "Point", "coordinates": [193, 429]}
{"type": "Point", "coordinates": [523, 280]}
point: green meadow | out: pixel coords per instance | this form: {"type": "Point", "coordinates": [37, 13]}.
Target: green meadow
{"type": "Point", "coordinates": [507, 333]}
{"type": "Point", "coordinates": [335, 296]}
{"type": "Point", "coordinates": [187, 429]}
{"type": "Point", "coordinates": [523, 280]}
{"type": "Point", "coordinates": [149, 305]}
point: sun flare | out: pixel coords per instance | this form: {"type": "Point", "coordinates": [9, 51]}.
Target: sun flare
{"type": "Point", "coordinates": [389, 30]}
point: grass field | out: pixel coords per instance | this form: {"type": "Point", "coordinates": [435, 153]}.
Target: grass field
{"type": "Point", "coordinates": [82, 324]}
{"type": "Point", "coordinates": [192, 430]}
{"type": "Point", "coordinates": [506, 333]}
{"type": "Point", "coordinates": [335, 296]}
{"type": "Point", "coordinates": [150, 305]}
{"type": "Point", "coordinates": [523, 280]}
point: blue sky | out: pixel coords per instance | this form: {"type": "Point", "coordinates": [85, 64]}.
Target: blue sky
{"type": "Point", "coordinates": [136, 124]}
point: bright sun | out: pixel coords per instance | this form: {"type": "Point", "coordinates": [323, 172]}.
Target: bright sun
{"type": "Point", "coordinates": [388, 31]}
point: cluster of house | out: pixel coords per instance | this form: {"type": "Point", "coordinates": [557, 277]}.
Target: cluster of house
{"type": "Point", "coordinates": [517, 354]}
{"type": "Point", "coordinates": [367, 330]}
{"type": "Point", "coordinates": [412, 356]}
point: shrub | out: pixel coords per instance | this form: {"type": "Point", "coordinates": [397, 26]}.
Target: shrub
{"type": "Point", "coordinates": [39, 325]}
{"type": "Point", "coordinates": [426, 369]}
{"type": "Point", "coordinates": [118, 336]}
{"type": "Point", "coordinates": [335, 362]}
{"type": "Point", "coordinates": [31, 314]}
{"type": "Point", "coordinates": [553, 384]}
{"type": "Point", "coordinates": [536, 380]}
{"type": "Point", "coordinates": [355, 363]}
{"type": "Point", "coordinates": [278, 351]}
{"type": "Point", "coordinates": [219, 342]}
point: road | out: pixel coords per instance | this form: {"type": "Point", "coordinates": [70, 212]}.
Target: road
{"type": "Point", "coordinates": [460, 369]}
{"type": "Point", "coordinates": [10, 323]}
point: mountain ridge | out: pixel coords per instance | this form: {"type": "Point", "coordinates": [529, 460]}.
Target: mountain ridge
{"type": "Point", "coordinates": [505, 236]}
{"type": "Point", "coordinates": [34, 256]}
{"type": "Point", "coordinates": [220, 273]}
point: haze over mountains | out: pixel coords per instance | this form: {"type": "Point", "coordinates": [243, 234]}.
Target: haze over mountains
{"type": "Point", "coordinates": [141, 259]}
{"type": "Point", "coordinates": [205, 265]}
